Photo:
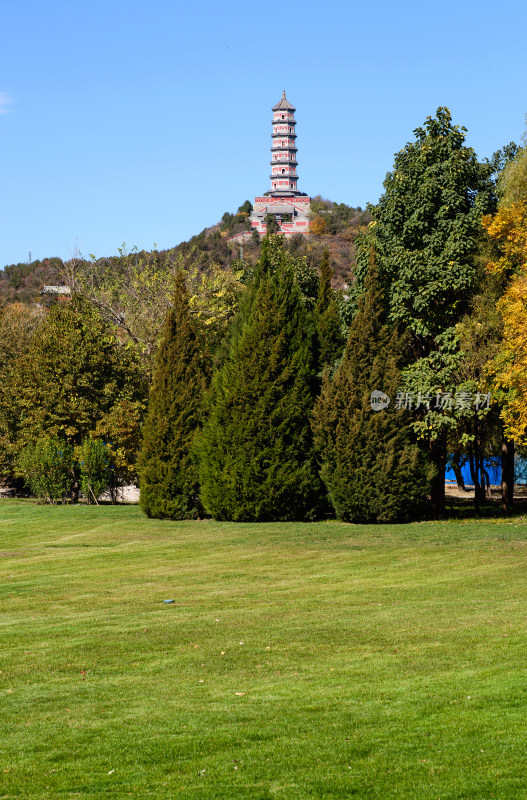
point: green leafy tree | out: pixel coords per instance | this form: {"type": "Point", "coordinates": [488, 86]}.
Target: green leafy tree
{"type": "Point", "coordinates": [131, 293]}
{"type": "Point", "coordinates": [256, 456]}
{"type": "Point", "coordinates": [17, 325]}
{"type": "Point", "coordinates": [327, 318]}
{"type": "Point", "coordinates": [168, 476]}
{"type": "Point", "coordinates": [47, 468]}
{"type": "Point", "coordinates": [370, 462]}
{"type": "Point", "coordinates": [426, 230]}
{"type": "Point", "coordinates": [73, 379]}
{"type": "Point", "coordinates": [271, 224]}
{"type": "Point", "coordinates": [245, 208]}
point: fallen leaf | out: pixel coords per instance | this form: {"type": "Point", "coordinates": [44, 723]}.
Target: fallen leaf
{"type": "Point", "coordinates": [240, 694]}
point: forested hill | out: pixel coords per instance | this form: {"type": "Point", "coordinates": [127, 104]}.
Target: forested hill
{"type": "Point", "coordinates": [334, 226]}
{"type": "Point", "coordinates": [23, 282]}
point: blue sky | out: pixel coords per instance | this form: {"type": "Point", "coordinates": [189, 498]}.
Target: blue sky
{"type": "Point", "coordinates": [143, 122]}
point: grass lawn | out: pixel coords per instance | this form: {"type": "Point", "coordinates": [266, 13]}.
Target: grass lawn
{"type": "Point", "coordinates": [298, 660]}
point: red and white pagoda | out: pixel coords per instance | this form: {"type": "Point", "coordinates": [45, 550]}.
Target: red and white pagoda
{"type": "Point", "coordinates": [289, 206]}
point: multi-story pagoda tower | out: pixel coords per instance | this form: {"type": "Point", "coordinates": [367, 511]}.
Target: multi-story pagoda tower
{"type": "Point", "coordinates": [283, 176]}
{"type": "Point", "coordinates": [289, 206]}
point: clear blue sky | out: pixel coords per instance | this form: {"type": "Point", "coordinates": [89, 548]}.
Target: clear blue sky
{"type": "Point", "coordinates": [142, 122]}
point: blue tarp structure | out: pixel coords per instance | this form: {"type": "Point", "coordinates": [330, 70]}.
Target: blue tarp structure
{"type": "Point", "coordinates": [493, 467]}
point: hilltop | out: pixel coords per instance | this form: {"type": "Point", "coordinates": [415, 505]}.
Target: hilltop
{"type": "Point", "coordinates": [334, 226]}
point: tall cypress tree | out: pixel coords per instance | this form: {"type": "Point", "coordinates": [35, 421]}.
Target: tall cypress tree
{"type": "Point", "coordinates": [372, 467]}
{"type": "Point", "coordinates": [168, 476]}
{"type": "Point", "coordinates": [327, 318]}
{"type": "Point", "coordinates": [256, 455]}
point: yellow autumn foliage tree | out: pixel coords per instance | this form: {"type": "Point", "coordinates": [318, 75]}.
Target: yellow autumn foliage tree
{"type": "Point", "coordinates": [317, 226]}
{"type": "Point", "coordinates": [508, 370]}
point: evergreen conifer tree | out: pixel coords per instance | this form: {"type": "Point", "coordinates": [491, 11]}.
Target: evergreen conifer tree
{"type": "Point", "coordinates": [168, 476]}
{"type": "Point", "coordinates": [327, 318]}
{"type": "Point", "coordinates": [256, 455]}
{"type": "Point", "coordinates": [372, 467]}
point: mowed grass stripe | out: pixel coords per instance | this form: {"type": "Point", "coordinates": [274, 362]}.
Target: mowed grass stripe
{"type": "Point", "coordinates": [376, 661]}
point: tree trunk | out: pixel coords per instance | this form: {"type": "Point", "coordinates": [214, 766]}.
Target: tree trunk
{"type": "Point", "coordinates": [486, 483]}
{"type": "Point", "coordinates": [75, 486]}
{"type": "Point", "coordinates": [456, 466]}
{"type": "Point", "coordinates": [479, 487]}
{"type": "Point", "coordinates": [507, 474]}
{"type": "Point", "coordinates": [437, 493]}
{"type": "Point", "coordinates": [474, 475]}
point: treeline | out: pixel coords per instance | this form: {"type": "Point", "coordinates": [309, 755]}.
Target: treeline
{"type": "Point", "coordinates": [425, 340]}
{"type": "Point", "coordinates": [254, 389]}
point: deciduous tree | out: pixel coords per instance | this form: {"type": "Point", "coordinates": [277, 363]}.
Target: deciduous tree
{"type": "Point", "coordinates": [73, 378]}
{"type": "Point", "coordinates": [507, 369]}
{"type": "Point", "coordinates": [427, 229]}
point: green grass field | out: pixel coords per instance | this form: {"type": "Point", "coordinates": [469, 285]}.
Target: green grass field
{"type": "Point", "coordinates": [298, 660]}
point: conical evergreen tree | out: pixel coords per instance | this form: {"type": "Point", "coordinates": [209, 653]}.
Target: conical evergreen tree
{"type": "Point", "coordinates": [372, 466]}
{"type": "Point", "coordinates": [327, 318]}
{"type": "Point", "coordinates": [256, 454]}
{"type": "Point", "coordinates": [168, 476]}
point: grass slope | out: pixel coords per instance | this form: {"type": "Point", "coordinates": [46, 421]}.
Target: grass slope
{"type": "Point", "coordinates": [298, 660]}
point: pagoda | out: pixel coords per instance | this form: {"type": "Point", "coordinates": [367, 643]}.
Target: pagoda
{"type": "Point", "coordinates": [289, 206]}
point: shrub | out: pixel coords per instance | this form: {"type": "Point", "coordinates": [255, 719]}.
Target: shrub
{"type": "Point", "coordinates": [47, 467]}
{"type": "Point", "coordinates": [95, 465]}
